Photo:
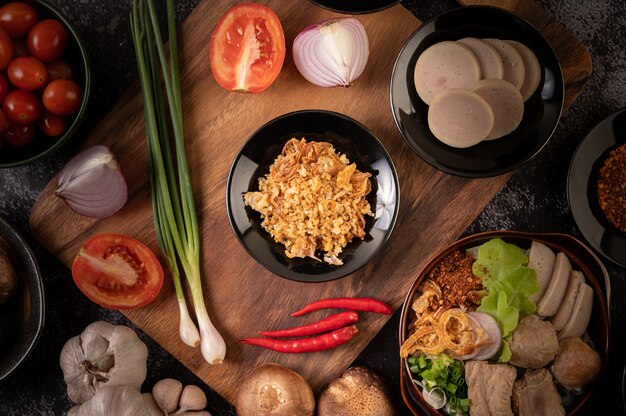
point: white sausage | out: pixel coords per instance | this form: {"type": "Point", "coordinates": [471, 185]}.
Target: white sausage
{"type": "Point", "coordinates": [541, 259]}
{"type": "Point", "coordinates": [559, 320]}
{"type": "Point", "coordinates": [552, 298]}
{"type": "Point", "coordinates": [581, 314]}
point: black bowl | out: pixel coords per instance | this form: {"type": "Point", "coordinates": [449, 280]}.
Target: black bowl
{"type": "Point", "coordinates": [348, 137]}
{"type": "Point", "coordinates": [581, 257]}
{"type": "Point", "coordinates": [355, 6]}
{"type": "Point", "coordinates": [582, 182]}
{"type": "Point", "coordinates": [488, 158]}
{"type": "Point", "coordinates": [21, 317]}
{"type": "Point", "coordinates": [76, 56]}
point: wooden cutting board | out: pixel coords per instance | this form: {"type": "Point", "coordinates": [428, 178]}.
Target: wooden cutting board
{"type": "Point", "coordinates": [241, 296]}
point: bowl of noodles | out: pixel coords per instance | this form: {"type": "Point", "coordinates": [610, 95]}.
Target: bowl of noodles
{"type": "Point", "coordinates": [312, 195]}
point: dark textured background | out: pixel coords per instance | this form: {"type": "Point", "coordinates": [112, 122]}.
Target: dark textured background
{"type": "Point", "coordinates": [534, 200]}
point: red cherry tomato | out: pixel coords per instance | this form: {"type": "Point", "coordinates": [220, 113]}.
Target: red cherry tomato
{"type": "Point", "coordinates": [17, 18]}
{"type": "Point", "coordinates": [247, 48]}
{"type": "Point", "coordinates": [19, 136]}
{"type": "Point", "coordinates": [4, 123]}
{"type": "Point", "coordinates": [20, 48]}
{"type": "Point", "coordinates": [58, 69]}
{"type": "Point", "coordinates": [117, 271]}
{"type": "Point", "coordinates": [22, 107]}
{"type": "Point", "coordinates": [63, 97]}
{"type": "Point", "coordinates": [4, 87]}
{"type": "Point", "coordinates": [6, 49]}
{"type": "Point", "coordinates": [48, 39]}
{"type": "Point", "coordinates": [51, 124]}
{"type": "Point", "coordinates": [27, 73]}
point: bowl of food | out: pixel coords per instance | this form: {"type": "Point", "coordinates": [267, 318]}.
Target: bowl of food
{"type": "Point", "coordinates": [355, 7]}
{"type": "Point", "coordinates": [477, 91]}
{"type": "Point", "coordinates": [45, 81]}
{"type": "Point", "coordinates": [21, 299]}
{"type": "Point", "coordinates": [595, 187]}
{"type": "Point", "coordinates": [312, 195]}
{"type": "Point", "coordinates": [506, 320]}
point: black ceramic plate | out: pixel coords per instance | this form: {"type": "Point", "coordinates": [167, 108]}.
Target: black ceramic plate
{"type": "Point", "coordinates": [355, 6]}
{"type": "Point", "coordinates": [21, 317]}
{"type": "Point", "coordinates": [348, 137]}
{"type": "Point", "coordinates": [489, 158]}
{"type": "Point", "coordinates": [582, 187]}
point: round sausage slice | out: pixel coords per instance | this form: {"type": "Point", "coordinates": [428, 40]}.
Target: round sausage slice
{"type": "Point", "coordinates": [581, 314]}
{"type": "Point", "coordinates": [541, 259]}
{"type": "Point", "coordinates": [488, 59]}
{"type": "Point", "coordinates": [576, 279]}
{"type": "Point", "coordinates": [445, 65]}
{"type": "Point", "coordinates": [532, 69]}
{"type": "Point", "coordinates": [506, 102]}
{"type": "Point", "coordinates": [460, 118]}
{"type": "Point", "coordinates": [552, 298]}
{"type": "Point", "coordinates": [514, 71]}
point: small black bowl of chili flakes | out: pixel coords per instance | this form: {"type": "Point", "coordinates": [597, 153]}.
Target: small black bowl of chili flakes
{"type": "Point", "coordinates": [596, 187]}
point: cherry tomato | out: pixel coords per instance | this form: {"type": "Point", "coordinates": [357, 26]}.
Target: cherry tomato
{"type": "Point", "coordinates": [19, 136]}
{"type": "Point", "coordinates": [247, 48]}
{"type": "Point", "coordinates": [22, 107]}
{"type": "Point", "coordinates": [20, 48]}
{"type": "Point", "coordinates": [4, 87]}
{"type": "Point", "coordinates": [51, 124]}
{"type": "Point", "coordinates": [6, 49]}
{"type": "Point", "coordinates": [48, 39]}
{"type": "Point", "coordinates": [63, 97]}
{"type": "Point", "coordinates": [117, 271]}
{"type": "Point", "coordinates": [27, 73]}
{"type": "Point", "coordinates": [4, 123]}
{"type": "Point", "coordinates": [58, 69]}
{"type": "Point", "coordinates": [17, 18]}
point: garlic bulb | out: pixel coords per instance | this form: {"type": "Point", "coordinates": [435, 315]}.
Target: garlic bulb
{"type": "Point", "coordinates": [103, 354]}
{"type": "Point", "coordinates": [109, 400]}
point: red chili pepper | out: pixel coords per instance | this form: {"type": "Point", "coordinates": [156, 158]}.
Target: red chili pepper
{"type": "Point", "coordinates": [311, 344]}
{"type": "Point", "coordinates": [357, 304]}
{"type": "Point", "coordinates": [335, 321]}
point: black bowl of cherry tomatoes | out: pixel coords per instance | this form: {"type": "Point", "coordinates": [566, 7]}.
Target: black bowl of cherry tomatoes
{"type": "Point", "coordinates": [44, 81]}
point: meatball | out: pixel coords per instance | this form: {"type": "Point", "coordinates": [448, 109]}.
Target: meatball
{"type": "Point", "coordinates": [534, 343]}
{"type": "Point", "coordinates": [576, 363]}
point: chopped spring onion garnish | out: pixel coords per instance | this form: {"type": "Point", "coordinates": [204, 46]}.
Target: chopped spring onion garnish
{"type": "Point", "coordinates": [174, 210]}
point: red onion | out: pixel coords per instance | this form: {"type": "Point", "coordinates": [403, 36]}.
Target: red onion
{"type": "Point", "coordinates": [332, 53]}
{"type": "Point", "coordinates": [92, 184]}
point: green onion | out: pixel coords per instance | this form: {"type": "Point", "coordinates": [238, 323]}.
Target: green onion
{"type": "Point", "coordinates": [421, 361]}
{"type": "Point", "coordinates": [412, 360]}
{"type": "Point", "coordinates": [446, 374]}
{"type": "Point", "coordinates": [414, 369]}
{"type": "Point", "coordinates": [175, 219]}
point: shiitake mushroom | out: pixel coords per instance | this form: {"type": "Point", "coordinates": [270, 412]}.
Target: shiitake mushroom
{"type": "Point", "coordinates": [272, 390]}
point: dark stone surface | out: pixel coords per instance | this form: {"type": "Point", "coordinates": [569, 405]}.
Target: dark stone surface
{"type": "Point", "coordinates": [534, 200]}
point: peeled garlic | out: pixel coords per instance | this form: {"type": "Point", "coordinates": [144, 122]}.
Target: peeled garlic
{"type": "Point", "coordinates": [192, 398]}
{"type": "Point", "coordinates": [103, 354]}
{"type": "Point", "coordinates": [152, 405]}
{"type": "Point", "coordinates": [109, 401]}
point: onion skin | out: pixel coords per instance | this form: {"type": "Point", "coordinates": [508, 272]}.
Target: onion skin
{"type": "Point", "coordinates": [92, 184]}
{"type": "Point", "coordinates": [332, 53]}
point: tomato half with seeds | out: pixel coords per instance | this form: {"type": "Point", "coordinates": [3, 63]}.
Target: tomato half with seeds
{"type": "Point", "coordinates": [117, 271]}
{"type": "Point", "coordinates": [247, 48]}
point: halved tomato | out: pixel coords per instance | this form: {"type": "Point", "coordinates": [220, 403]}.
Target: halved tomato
{"type": "Point", "coordinates": [247, 48]}
{"type": "Point", "coordinates": [117, 271]}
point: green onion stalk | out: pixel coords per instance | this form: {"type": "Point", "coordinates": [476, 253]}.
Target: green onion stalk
{"type": "Point", "coordinates": [175, 218]}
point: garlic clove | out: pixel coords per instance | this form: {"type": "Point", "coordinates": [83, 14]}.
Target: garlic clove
{"type": "Point", "coordinates": [167, 393]}
{"type": "Point", "coordinates": [192, 398]}
{"type": "Point", "coordinates": [190, 413]}
{"type": "Point", "coordinates": [103, 354]}
{"type": "Point", "coordinates": [153, 407]}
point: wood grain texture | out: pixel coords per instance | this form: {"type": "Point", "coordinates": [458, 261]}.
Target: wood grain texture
{"type": "Point", "coordinates": [572, 54]}
{"type": "Point", "coordinates": [241, 296]}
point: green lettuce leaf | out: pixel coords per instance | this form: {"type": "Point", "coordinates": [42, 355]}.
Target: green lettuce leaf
{"type": "Point", "coordinates": [504, 272]}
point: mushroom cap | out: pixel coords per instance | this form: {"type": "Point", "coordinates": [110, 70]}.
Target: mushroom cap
{"type": "Point", "coordinates": [358, 392]}
{"type": "Point", "coordinates": [272, 390]}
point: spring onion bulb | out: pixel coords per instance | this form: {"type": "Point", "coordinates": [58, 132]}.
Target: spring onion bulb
{"type": "Point", "coordinates": [332, 53]}
{"type": "Point", "coordinates": [92, 184]}
{"type": "Point", "coordinates": [176, 222]}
